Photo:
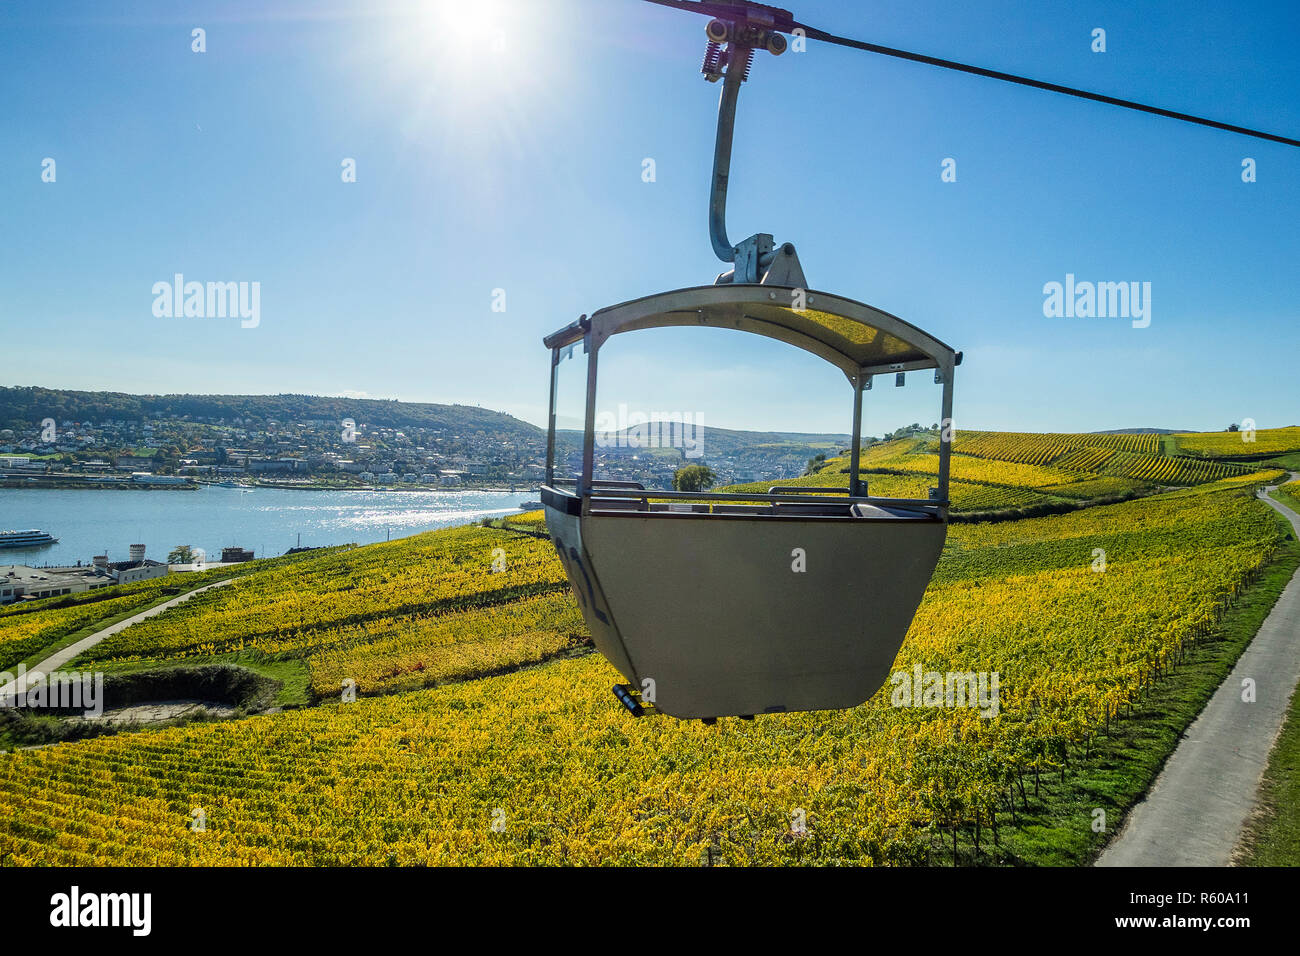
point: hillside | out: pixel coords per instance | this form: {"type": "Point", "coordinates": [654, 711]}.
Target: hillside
{"type": "Point", "coordinates": [1023, 474]}
{"type": "Point", "coordinates": [480, 700]}
{"type": "Point", "coordinates": [25, 407]}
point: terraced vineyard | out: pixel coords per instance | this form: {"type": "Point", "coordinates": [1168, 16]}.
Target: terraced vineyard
{"type": "Point", "coordinates": [1042, 449]}
{"type": "Point", "coordinates": [338, 599]}
{"type": "Point", "coordinates": [1042, 468]}
{"type": "Point", "coordinates": [980, 470]}
{"type": "Point", "coordinates": [27, 628]}
{"type": "Point", "coordinates": [1171, 470]}
{"type": "Point", "coordinates": [966, 496]}
{"type": "Point", "coordinates": [540, 766]}
{"type": "Point", "coordinates": [1088, 458]}
{"type": "Point", "coordinates": [1092, 488]}
{"type": "Point", "coordinates": [1262, 443]}
{"type": "Point", "coordinates": [1038, 473]}
{"type": "Point", "coordinates": [404, 655]}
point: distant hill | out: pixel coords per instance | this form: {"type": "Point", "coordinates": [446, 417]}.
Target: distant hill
{"type": "Point", "coordinates": [1144, 431]}
{"type": "Point", "coordinates": [25, 406]}
{"type": "Point", "coordinates": [730, 442]}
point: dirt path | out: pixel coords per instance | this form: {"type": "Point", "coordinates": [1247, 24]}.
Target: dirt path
{"type": "Point", "coordinates": [1194, 813]}
{"type": "Point", "coordinates": [62, 656]}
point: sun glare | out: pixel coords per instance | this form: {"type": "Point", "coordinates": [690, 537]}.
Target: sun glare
{"type": "Point", "coordinates": [486, 42]}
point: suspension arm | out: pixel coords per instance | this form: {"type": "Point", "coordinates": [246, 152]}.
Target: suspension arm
{"type": "Point", "coordinates": [734, 76]}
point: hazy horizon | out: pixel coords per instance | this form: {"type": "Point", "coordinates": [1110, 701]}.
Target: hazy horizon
{"type": "Point", "coordinates": [720, 425]}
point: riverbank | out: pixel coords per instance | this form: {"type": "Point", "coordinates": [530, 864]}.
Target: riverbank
{"type": "Point", "coordinates": [337, 486]}
{"type": "Point", "coordinates": [91, 484]}
{"type": "Point", "coordinates": [47, 482]}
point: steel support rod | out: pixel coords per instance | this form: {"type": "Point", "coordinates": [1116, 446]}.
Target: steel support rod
{"type": "Point", "coordinates": [855, 451]}
{"type": "Point", "coordinates": [946, 428]}
{"type": "Point", "coordinates": [731, 81]}
{"type": "Point", "coordinates": [550, 421]}
{"type": "Point", "coordinates": [589, 423]}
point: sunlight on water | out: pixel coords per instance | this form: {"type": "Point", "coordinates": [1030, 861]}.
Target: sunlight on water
{"type": "Point", "coordinates": [267, 520]}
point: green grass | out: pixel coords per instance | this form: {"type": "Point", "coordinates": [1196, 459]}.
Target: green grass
{"type": "Point", "coordinates": [291, 672]}
{"type": "Point", "coordinates": [1282, 497]}
{"type": "Point", "coordinates": [249, 691]}
{"type": "Point", "coordinates": [25, 729]}
{"type": "Point", "coordinates": [1122, 765]}
{"type": "Point", "coordinates": [293, 675]}
{"type": "Point", "coordinates": [1290, 461]}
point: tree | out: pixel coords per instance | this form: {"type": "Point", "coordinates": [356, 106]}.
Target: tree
{"type": "Point", "coordinates": [694, 478]}
{"type": "Point", "coordinates": [814, 464]}
{"type": "Point", "coordinates": [181, 554]}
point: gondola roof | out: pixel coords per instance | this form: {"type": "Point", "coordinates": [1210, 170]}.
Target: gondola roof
{"type": "Point", "coordinates": [851, 335]}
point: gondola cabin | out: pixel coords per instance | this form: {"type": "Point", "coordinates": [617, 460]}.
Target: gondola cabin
{"type": "Point", "coordinates": [718, 604]}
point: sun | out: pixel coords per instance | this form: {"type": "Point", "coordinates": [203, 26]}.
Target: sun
{"type": "Point", "coordinates": [487, 36]}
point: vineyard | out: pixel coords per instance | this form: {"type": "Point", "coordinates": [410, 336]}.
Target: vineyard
{"type": "Point", "coordinates": [1000, 471]}
{"type": "Point", "coordinates": [26, 629]}
{"type": "Point", "coordinates": [1035, 449]}
{"type": "Point", "coordinates": [966, 496]}
{"type": "Point", "coordinates": [1245, 444]}
{"type": "Point", "coordinates": [405, 655]}
{"type": "Point", "coordinates": [1169, 471]}
{"type": "Point", "coordinates": [538, 765]}
{"type": "Point", "coordinates": [978, 486]}
{"type": "Point", "coordinates": [1291, 493]}
{"type": "Point", "coordinates": [345, 598]}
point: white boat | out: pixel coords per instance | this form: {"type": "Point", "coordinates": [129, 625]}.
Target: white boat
{"type": "Point", "coordinates": [26, 539]}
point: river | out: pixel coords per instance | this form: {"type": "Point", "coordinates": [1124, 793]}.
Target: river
{"type": "Point", "coordinates": [268, 521]}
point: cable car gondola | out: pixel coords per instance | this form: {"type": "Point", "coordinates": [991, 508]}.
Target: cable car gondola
{"type": "Point", "coordinates": [719, 604]}
{"type": "Point", "coordinates": [740, 604]}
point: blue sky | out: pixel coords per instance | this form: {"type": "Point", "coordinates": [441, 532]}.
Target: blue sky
{"type": "Point", "coordinates": [504, 150]}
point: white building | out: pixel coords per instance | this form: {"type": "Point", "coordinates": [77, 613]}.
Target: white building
{"type": "Point", "coordinates": [18, 581]}
{"type": "Point", "coordinates": [139, 568]}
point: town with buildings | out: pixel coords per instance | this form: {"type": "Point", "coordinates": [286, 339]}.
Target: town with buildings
{"type": "Point", "coordinates": [172, 445]}
{"type": "Point", "coordinates": [180, 440]}
{"type": "Point", "coordinates": [158, 454]}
